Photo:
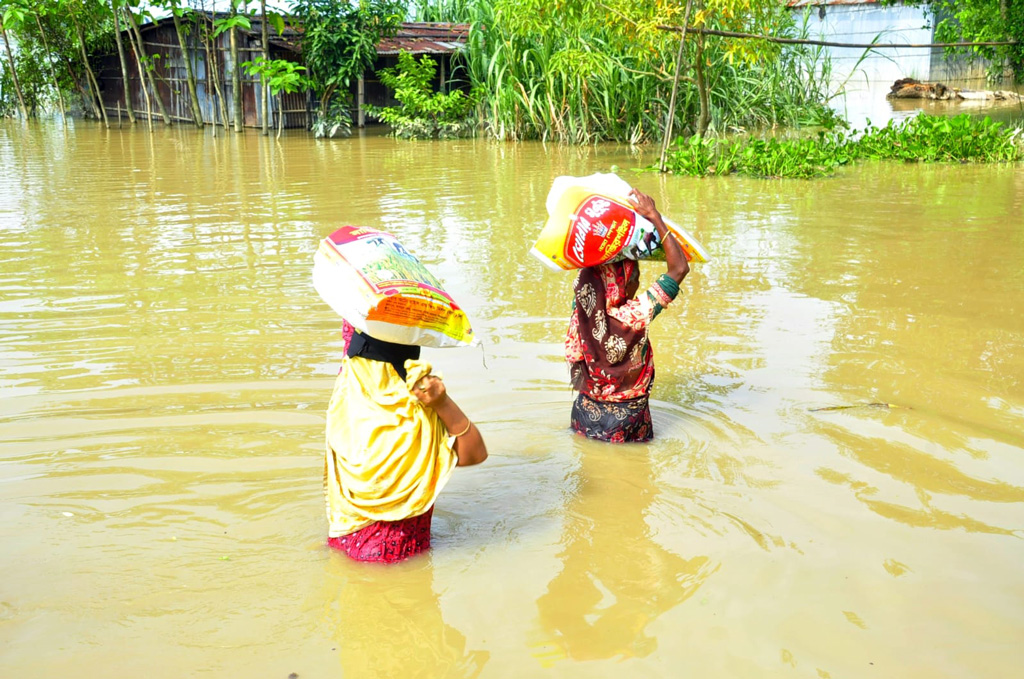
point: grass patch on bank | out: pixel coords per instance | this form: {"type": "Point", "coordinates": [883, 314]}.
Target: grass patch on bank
{"type": "Point", "coordinates": [923, 138]}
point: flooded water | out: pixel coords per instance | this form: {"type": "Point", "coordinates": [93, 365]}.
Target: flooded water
{"type": "Point", "coordinates": [165, 364]}
{"type": "Point", "coordinates": [878, 111]}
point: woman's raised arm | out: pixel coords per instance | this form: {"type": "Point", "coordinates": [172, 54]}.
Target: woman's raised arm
{"type": "Point", "coordinates": [675, 258]}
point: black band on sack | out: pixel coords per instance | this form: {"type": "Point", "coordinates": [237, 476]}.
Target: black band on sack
{"type": "Point", "coordinates": [373, 349]}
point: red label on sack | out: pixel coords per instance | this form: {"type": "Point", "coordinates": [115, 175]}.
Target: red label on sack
{"type": "Point", "coordinates": [600, 228]}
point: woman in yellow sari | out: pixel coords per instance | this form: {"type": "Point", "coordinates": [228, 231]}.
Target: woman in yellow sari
{"type": "Point", "coordinates": [394, 436]}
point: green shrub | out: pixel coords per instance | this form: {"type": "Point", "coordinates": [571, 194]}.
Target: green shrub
{"type": "Point", "coordinates": [423, 113]}
{"type": "Point", "coordinates": [337, 122]}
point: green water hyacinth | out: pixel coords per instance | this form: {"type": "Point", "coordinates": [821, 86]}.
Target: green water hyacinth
{"type": "Point", "coordinates": [923, 138]}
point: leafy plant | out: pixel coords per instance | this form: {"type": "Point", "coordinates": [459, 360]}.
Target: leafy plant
{"type": "Point", "coordinates": [927, 138]}
{"type": "Point", "coordinates": [981, 21]}
{"type": "Point", "coordinates": [339, 43]}
{"type": "Point", "coordinates": [771, 157]}
{"type": "Point", "coordinates": [337, 122]}
{"type": "Point", "coordinates": [240, 21]}
{"type": "Point", "coordinates": [423, 113]}
{"type": "Point", "coordinates": [281, 76]}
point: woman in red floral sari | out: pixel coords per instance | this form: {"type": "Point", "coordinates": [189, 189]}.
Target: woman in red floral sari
{"type": "Point", "coordinates": [611, 363]}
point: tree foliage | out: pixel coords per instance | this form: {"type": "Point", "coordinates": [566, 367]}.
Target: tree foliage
{"type": "Point", "coordinates": [585, 70]}
{"type": "Point", "coordinates": [339, 40]}
{"type": "Point", "coordinates": [39, 60]}
{"type": "Point", "coordinates": [982, 21]}
{"type": "Point", "coordinates": [423, 113]}
{"type": "Point", "coordinates": [280, 75]}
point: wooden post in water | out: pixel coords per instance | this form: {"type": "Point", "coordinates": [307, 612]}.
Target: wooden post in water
{"type": "Point", "coordinates": [123, 61]}
{"type": "Point", "coordinates": [360, 100]}
{"type": "Point", "coordinates": [236, 78]}
{"type": "Point", "coordinates": [265, 90]}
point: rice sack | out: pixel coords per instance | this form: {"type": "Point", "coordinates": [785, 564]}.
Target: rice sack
{"type": "Point", "coordinates": [383, 290]}
{"type": "Point", "coordinates": [591, 222]}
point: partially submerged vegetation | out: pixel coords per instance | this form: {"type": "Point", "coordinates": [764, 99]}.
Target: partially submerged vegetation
{"type": "Point", "coordinates": [58, 43]}
{"type": "Point", "coordinates": [572, 71]}
{"type": "Point", "coordinates": [423, 113]}
{"type": "Point", "coordinates": [771, 157]}
{"type": "Point", "coordinates": [582, 71]}
{"type": "Point", "coordinates": [922, 138]}
{"type": "Point", "coordinates": [339, 44]}
{"type": "Point", "coordinates": [942, 139]}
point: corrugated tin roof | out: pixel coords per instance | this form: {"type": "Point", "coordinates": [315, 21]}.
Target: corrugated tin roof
{"type": "Point", "coordinates": [413, 37]}
{"type": "Point", "coordinates": [425, 38]}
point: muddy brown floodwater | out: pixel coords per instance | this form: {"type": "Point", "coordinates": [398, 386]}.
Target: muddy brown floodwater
{"type": "Point", "coordinates": [165, 364]}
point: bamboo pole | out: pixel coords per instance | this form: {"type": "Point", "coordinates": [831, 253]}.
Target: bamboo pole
{"type": "Point", "coordinates": [124, 67]}
{"type": "Point", "coordinates": [236, 79]}
{"type": "Point", "coordinates": [704, 117]}
{"type": "Point", "coordinates": [142, 80]}
{"type": "Point", "coordinates": [213, 70]}
{"type": "Point", "coordinates": [280, 115]}
{"type": "Point", "coordinates": [140, 54]}
{"type": "Point", "coordinates": [675, 87]}
{"type": "Point", "coordinates": [265, 90]}
{"type": "Point", "coordinates": [94, 86]}
{"type": "Point", "coordinates": [172, 46]}
{"type": "Point", "coordinates": [53, 71]}
{"type": "Point", "coordinates": [190, 78]}
{"type": "Point", "coordinates": [14, 72]}
{"type": "Point", "coordinates": [180, 119]}
{"type": "Point", "coordinates": [169, 79]}
{"type": "Point", "coordinates": [1004, 15]}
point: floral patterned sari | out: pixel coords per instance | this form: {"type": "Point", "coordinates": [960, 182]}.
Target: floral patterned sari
{"type": "Point", "coordinates": [611, 363]}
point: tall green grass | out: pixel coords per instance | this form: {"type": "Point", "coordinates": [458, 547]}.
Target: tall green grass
{"type": "Point", "coordinates": [576, 83]}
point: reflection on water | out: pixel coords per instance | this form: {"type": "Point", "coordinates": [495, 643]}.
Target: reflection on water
{"type": "Point", "coordinates": [615, 579]}
{"type": "Point", "coordinates": [391, 625]}
{"type": "Point", "coordinates": [1003, 111]}
{"type": "Point", "coordinates": [165, 363]}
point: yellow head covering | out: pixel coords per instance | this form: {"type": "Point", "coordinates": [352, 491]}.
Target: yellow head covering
{"type": "Point", "coordinates": [388, 456]}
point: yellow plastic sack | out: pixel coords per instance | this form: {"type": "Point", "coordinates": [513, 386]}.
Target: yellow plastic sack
{"type": "Point", "coordinates": [380, 288]}
{"type": "Point", "coordinates": [591, 222]}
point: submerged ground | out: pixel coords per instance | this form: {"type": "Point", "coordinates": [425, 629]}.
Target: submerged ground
{"type": "Point", "coordinates": [164, 365]}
